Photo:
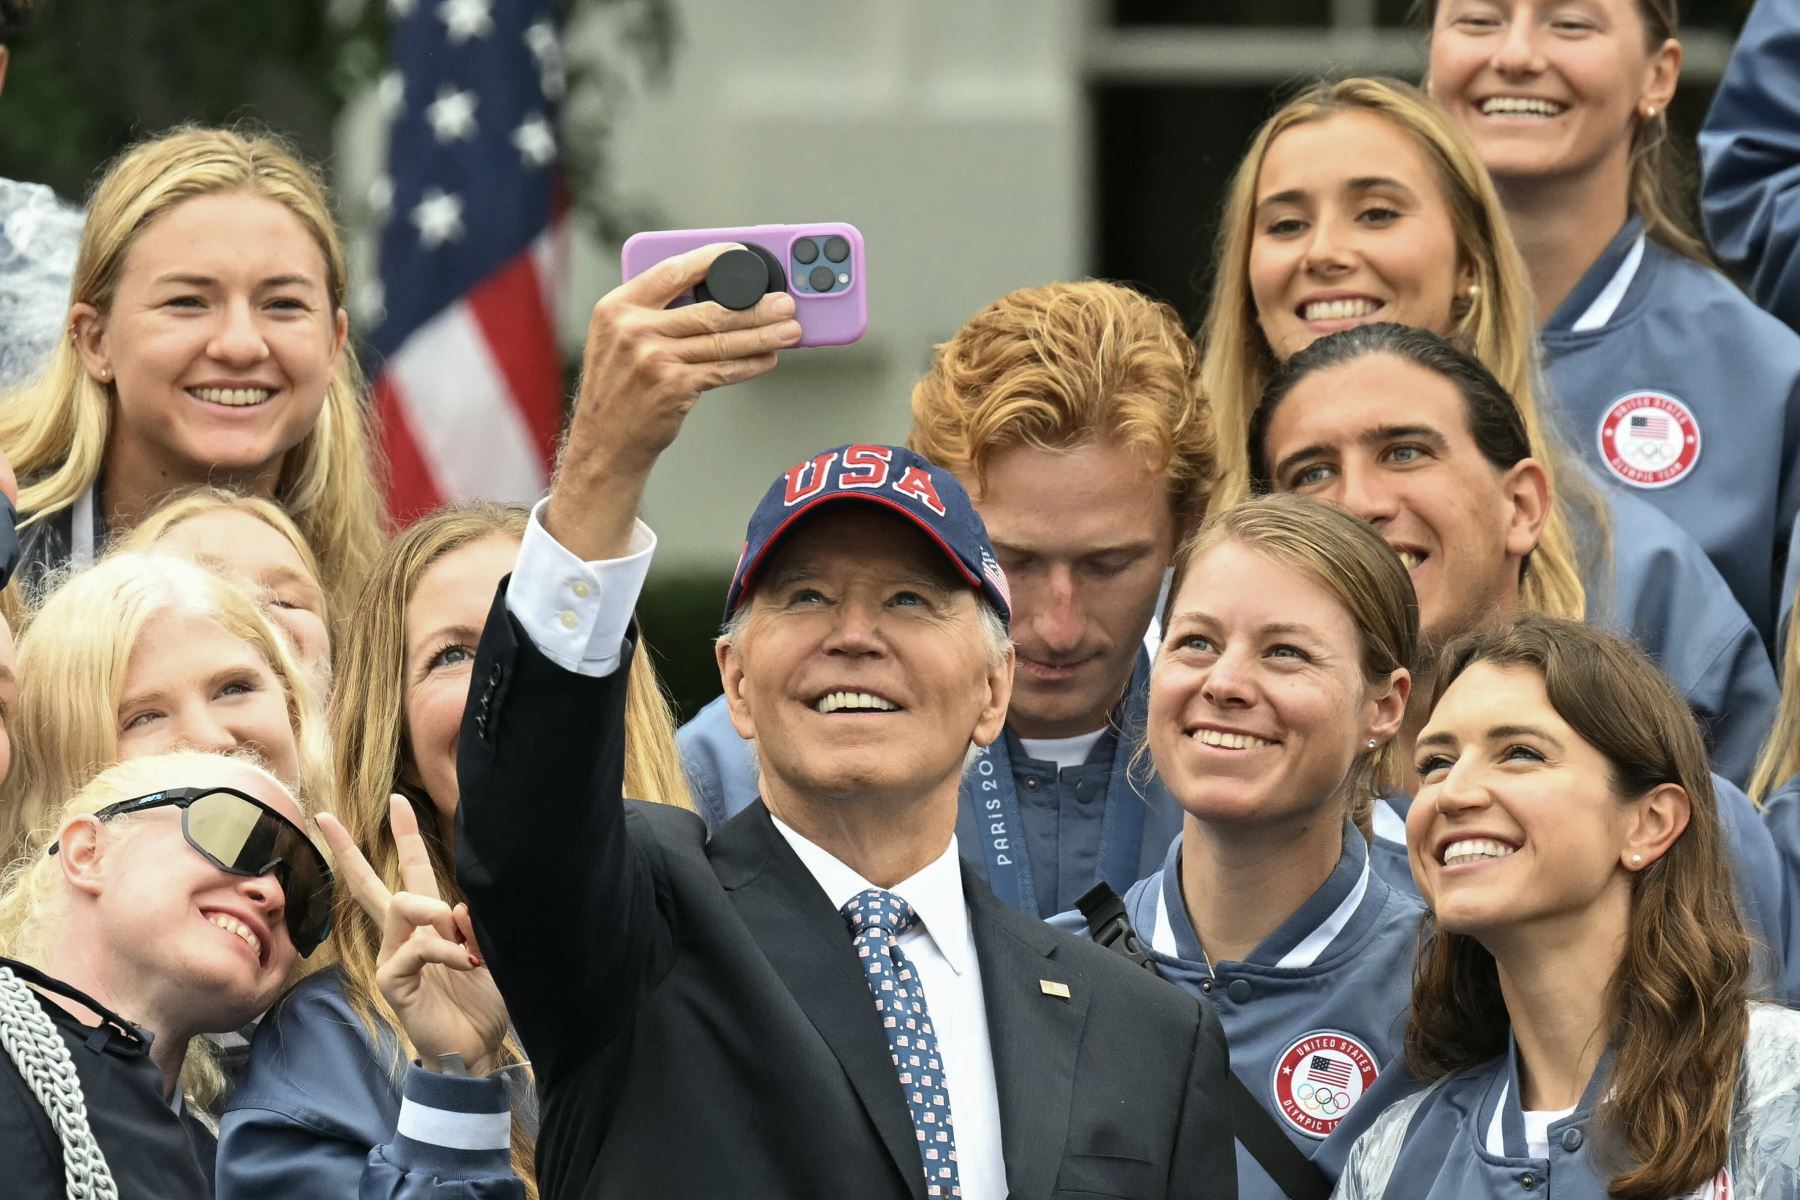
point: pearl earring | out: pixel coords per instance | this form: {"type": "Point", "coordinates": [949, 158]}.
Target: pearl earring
{"type": "Point", "coordinates": [1474, 292]}
{"type": "Point", "coordinates": [1371, 743]}
{"type": "Point", "coordinates": [1649, 112]}
{"type": "Point", "coordinates": [1637, 860]}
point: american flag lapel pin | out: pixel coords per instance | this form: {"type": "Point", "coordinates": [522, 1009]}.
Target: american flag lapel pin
{"type": "Point", "coordinates": [1051, 987]}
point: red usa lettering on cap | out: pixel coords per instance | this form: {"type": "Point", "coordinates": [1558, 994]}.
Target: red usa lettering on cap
{"type": "Point", "coordinates": [862, 468]}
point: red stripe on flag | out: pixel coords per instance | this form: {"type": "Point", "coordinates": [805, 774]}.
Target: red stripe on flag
{"type": "Point", "coordinates": [412, 491]}
{"type": "Point", "coordinates": [508, 306]}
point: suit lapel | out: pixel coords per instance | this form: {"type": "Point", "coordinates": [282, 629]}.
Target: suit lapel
{"type": "Point", "coordinates": [1035, 1036]}
{"type": "Point", "coordinates": [807, 943]}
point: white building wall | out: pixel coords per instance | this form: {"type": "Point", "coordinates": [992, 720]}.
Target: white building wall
{"type": "Point", "coordinates": [951, 132]}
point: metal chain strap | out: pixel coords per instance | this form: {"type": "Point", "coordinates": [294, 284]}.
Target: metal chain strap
{"type": "Point", "coordinates": [36, 1047]}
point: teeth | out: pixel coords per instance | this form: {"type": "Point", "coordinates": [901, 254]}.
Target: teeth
{"type": "Point", "coordinates": [1229, 741]}
{"type": "Point", "coordinates": [855, 701]}
{"type": "Point", "coordinates": [1473, 850]}
{"type": "Point", "coordinates": [1408, 559]}
{"type": "Point", "coordinates": [232, 397]}
{"type": "Point", "coordinates": [1526, 106]}
{"type": "Point", "coordinates": [233, 925]}
{"type": "Point", "coordinates": [1339, 310]}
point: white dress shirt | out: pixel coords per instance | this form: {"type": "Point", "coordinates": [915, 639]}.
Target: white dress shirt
{"type": "Point", "coordinates": [576, 614]}
{"type": "Point", "coordinates": [942, 947]}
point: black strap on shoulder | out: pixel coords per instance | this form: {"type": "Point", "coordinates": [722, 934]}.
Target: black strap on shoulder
{"type": "Point", "coordinates": [1251, 1124]}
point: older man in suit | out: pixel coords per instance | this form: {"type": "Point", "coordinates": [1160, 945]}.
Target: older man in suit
{"type": "Point", "coordinates": [821, 1001]}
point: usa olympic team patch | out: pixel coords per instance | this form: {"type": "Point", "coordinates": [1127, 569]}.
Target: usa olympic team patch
{"type": "Point", "coordinates": [1649, 439]}
{"type": "Point", "coordinates": [1318, 1078]}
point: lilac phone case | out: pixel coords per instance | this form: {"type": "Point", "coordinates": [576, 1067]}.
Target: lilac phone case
{"type": "Point", "coordinates": [826, 319]}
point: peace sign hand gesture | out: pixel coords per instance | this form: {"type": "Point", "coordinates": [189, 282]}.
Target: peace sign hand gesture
{"type": "Point", "coordinates": [427, 968]}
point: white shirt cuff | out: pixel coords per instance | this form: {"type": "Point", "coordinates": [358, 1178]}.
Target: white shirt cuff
{"type": "Point", "coordinates": [576, 613]}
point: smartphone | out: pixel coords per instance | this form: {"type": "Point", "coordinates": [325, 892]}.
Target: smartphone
{"type": "Point", "coordinates": [821, 267]}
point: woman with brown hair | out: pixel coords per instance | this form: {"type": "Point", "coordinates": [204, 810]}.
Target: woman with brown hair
{"type": "Point", "coordinates": [1672, 382]}
{"type": "Point", "coordinates": [1360, 201]}
{"type": "Point", "coordinates": [403, 682]}
{"type": "Point", "coordinates": [1275, 703]}
{"type": "Point", "coordinates": [1581, 1002]}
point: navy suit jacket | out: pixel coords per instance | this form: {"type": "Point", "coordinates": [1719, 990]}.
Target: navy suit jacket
{"type": "Point", "coordinates": [697, 1017]}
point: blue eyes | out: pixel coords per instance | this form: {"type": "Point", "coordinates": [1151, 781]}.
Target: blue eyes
{"type": "Point", "coordinates": [452, 655]}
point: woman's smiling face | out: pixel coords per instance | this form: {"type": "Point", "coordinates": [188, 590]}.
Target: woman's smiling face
{"type": "Point", "coordinates": [1351, 226]}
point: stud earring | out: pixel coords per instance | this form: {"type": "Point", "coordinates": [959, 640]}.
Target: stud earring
{"type": "Point", "coordinates": [1649, 112]}
{"type": "Point", "coordinates": [1371, 743]}
{"type": "Point", "coordinates": [1637, 860]}
{"type": "Point", "coordinates": [1474, 292]}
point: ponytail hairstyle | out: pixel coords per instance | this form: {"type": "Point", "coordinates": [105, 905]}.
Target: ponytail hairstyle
{"type": "Point", "coordinates": [1349, 560]}
{"type": "Point", "coordinates": [1678, 1004]}
{"type": "Point", "coordinates": [1494, 421]}
{"type": "Point", "coordinates": [1496, 325]}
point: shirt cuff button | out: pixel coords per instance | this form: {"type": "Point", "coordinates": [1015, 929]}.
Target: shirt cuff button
{"type": "Point", "coordinates": [580, 588]}
{"type": "Point", "coordinates": [568, 619]}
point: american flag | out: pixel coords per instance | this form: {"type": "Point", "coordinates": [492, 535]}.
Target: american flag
{"type": "Point", "coordinates": [1337, 1074]}
{"type": "Point", "coordinates": [469, 391]}
{"type": "Point", "coordinates": [1649, 425]}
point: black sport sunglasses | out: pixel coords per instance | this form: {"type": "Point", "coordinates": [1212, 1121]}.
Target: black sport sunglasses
{"type": "Point", "coordinates": [240, 834]}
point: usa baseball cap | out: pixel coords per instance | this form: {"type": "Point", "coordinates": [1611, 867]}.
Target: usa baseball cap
{"type": "Point", "coordinates": [892, 477]}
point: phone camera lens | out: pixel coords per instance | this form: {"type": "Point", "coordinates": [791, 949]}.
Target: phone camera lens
{"type": "Point", "coordinates": [806, 250]}
{"type": "Point", "coordinates": [821, 277]}
{"type": "Point", "coordinates": [837, 249]}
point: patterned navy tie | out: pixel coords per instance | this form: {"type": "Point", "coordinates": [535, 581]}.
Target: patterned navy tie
{"type": "Point", "coordinates": [876, 920]}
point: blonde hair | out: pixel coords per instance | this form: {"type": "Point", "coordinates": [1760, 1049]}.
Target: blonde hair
{"type": "Point", "coordinates": [372, 755]}
{"type": "Point", "coordinates": [1780, 757]}
{"type": "Point", "coordinates": [55, 431]}
{"type": "Point", "coordinates": [184, 506]}
{"type": "Point", "coordinates": [73, 660]}
{"type": "Point", "coordinates": [1064, 365]}
{"type": "Point", "coordinates": [1347, 558]}
{"type": "Point", "coordinates": [34, 901]}
{"type": "Point", "coordinates": [1496, 326]}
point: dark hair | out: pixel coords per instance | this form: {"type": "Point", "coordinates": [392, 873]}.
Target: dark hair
{"type": "Point", "coordinates": [1677, 1006]}
{"type": "Point", "coordinates": [1493, 417]}
{"type": "Point", "coordinates": [14, 16]}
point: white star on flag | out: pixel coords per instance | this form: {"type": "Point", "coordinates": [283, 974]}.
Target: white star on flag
{"type": "Point", "coordinates": [390, 94]}
{"type": "Point", "coordinates": [452, 115]}
{"type": "Point", "coordinates": [371, 301]}
{"type": "Point", "coordinates": [466, 19]}
{"type": "Point", "coordinates": [439, 218]}
{"type": "Point", "coordinates": [381, 196]}
{"type": "Point", "coordinates": [535, 142]}
{"type": "Point", "coordinates": [541, 40]}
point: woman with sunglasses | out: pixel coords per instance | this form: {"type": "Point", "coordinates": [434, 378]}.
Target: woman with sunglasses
{"type": "Point", "coordinates": [169, 898]}
{"type": "Point", "coordinates": [402, 683]}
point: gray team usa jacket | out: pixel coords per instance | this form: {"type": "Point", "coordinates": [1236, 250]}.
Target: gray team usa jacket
{"type": "Point", "coordinates": [1462, 1138]}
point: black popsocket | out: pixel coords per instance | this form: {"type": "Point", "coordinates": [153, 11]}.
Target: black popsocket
{"type": "Point", "coordinates": [737, 279]}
